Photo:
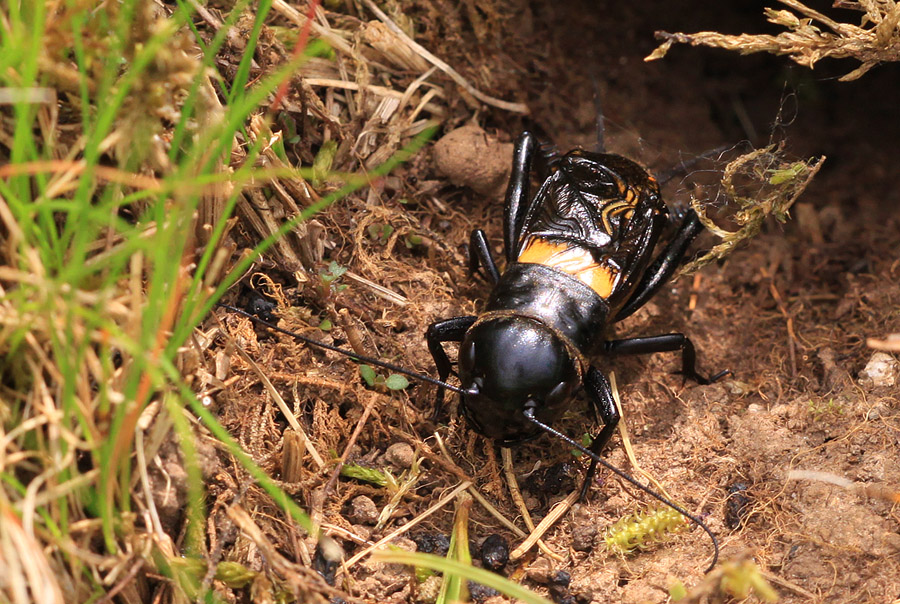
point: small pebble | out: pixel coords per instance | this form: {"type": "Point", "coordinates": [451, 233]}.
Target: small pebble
{"type": "Point", "coordinates": [881, 371]}
{"type": "Point", "coordinates": [432, 543]}
{"type": "Point", "coordinates": [362, 531]}
{"type": "Point", "coordinates": [495, 552]}
{"type": "Point", "coordinates": [479, 592]}
{"type": "Point", "coordinates": [406, 544]}
{"type": "Point", "coordinates": [892, 540]}
{"type": "Point", "coordinates": [400, 455]}
{"type": "Point", "coordinates": [558, 478]}
{"type": "Point", "coordinates": [877, 411]}
{"type": "Point", "coordinates": [584, 594]}
{"type": "Point", "coordinates": [363, 510]}
{"type": "Point", "coordinates": [539, 571]}
{"type": "Point", "coordinates": [561, 595]}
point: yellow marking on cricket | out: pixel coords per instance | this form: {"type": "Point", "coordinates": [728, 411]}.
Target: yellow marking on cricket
{"type": "Point", "coordinates": [572, 260]}
{"type": "Point", "coordinates": [613, 209]}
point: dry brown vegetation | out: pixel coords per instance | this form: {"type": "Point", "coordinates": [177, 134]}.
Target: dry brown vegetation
{"type": "Point", "coordinates": [118, 485]}
{"type": "Point", "coordinates": [875, 40]}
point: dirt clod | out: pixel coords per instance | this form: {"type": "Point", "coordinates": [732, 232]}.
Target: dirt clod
{"type": "Point", "coordinates": [168, 480]}
{"type": "Point", "coordinates": [400, 455]}
{"type": "Point", "coordinates": [642, 593]}
{"type": "Point", "coordinates": [584, 530]}
{"type": "Point", "coordinates": [427, 591]}
{"type": "Point", "coordinates": [431, 543]}
{"type": "Point", "coordinates": [540, 571]}
{"type": "Point", "coordinates": [561, 578]}
{"type": "Point", "coordinates": [363, 510]}
{"type": "Point", "coordinates": [737, 505]}
{"type": "Point", "coordinates": [469, 157]}
{"type": "Point", "coordinates": [553, 480]}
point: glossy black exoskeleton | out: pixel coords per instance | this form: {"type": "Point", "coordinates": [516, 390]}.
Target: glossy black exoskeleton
{"type": "Point", "coordinates": [580, 257]}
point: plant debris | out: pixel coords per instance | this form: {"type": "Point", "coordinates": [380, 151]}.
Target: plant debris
{"type": "Point", "coordinates": [756, 185]}
{"type": "Point", "coordinates": [811, 36]}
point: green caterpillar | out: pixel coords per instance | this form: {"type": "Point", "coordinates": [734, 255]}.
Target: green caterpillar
{"type": "Point", "coordinates": [643, 528]}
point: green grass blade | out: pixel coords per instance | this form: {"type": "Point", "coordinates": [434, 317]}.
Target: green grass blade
{"type": "Point", "coordinates": [478, 575]}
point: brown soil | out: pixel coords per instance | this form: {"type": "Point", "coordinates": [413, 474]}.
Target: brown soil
{"type": "Point", "coordinates": [789, 314]}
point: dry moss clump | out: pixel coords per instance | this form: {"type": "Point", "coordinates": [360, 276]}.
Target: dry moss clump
{"type": "Point", "coordinates": [812, 36]}
{"type": "Point", "coordinates": [757, 185]}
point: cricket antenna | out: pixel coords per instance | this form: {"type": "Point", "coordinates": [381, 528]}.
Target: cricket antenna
{"type": "Point", "coordinates": [349, 353]}
{"type": "Point", "coordinates": [685, 165]}
{"type": "Point", "coordinates": [529, 415]}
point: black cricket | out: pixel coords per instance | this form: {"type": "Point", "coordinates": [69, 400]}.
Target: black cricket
{"type": "Point", "coordinates": [580, 257]}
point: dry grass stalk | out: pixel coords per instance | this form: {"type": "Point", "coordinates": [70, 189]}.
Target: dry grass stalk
{"type": "Point", "coordinates": [488, 100]}
{"type": "Point", "coordinates": [811, 36]}
{"type": "Point", "coordinates": [626, 439]}
{"type": "Point", "coordinates": [392, 48]}
{"type": "Point", "coordinates": [406, 527]}
{"type": "Point", "coordinates": [889, 343]}
{"type": "Point", "coordinates": [875, 491]}
{"type": "Point", "coordinates": [476, 495]}
{"type": "Point", "coordinates": [516, 494]}
{"type": "Point", "coordinates": [557, 512]}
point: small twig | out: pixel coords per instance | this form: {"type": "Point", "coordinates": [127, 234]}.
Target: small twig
{"type": "Point", "coordinates": [376, 90]}
{"type": "Point", "coordinates": [695, 288]}
{"type": "Point", "coordinates": [792, 337]}
{"type": "Point", "coordinates": [419, 81]}
{"type": "Point", "coordinates": [354, 338]}
{"type": "Point", "coordinates": [312, 381]}
{"type": "Point", "coordinates": [787, 584]}
{"type": "Point", "coordinates": [336, 42]}
{"type": "Point", "coordinates": [876, 491]}
{"type": "Point", "coordinates": [145, 483]}
{"type": "Point", "coordinates": [433, 457]}
{"type": "Point", "coordinates": [513, 486]}
{"type": "Point", "coordinates": [123, 583]}
{"type": "Point", "coordinates": [890, 343]}
{"type": "Point", "coordinates": [234, 38]}
{"type": "Point", "coordinates": [488, 100]}
{"type": "Point", "coordinates": [346, 534]}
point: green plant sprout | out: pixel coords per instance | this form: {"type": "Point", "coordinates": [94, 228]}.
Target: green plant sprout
{"type": "Point", "coordinates": [380, 232]}
{"type": "Point", "coordinates": [374, 380]}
